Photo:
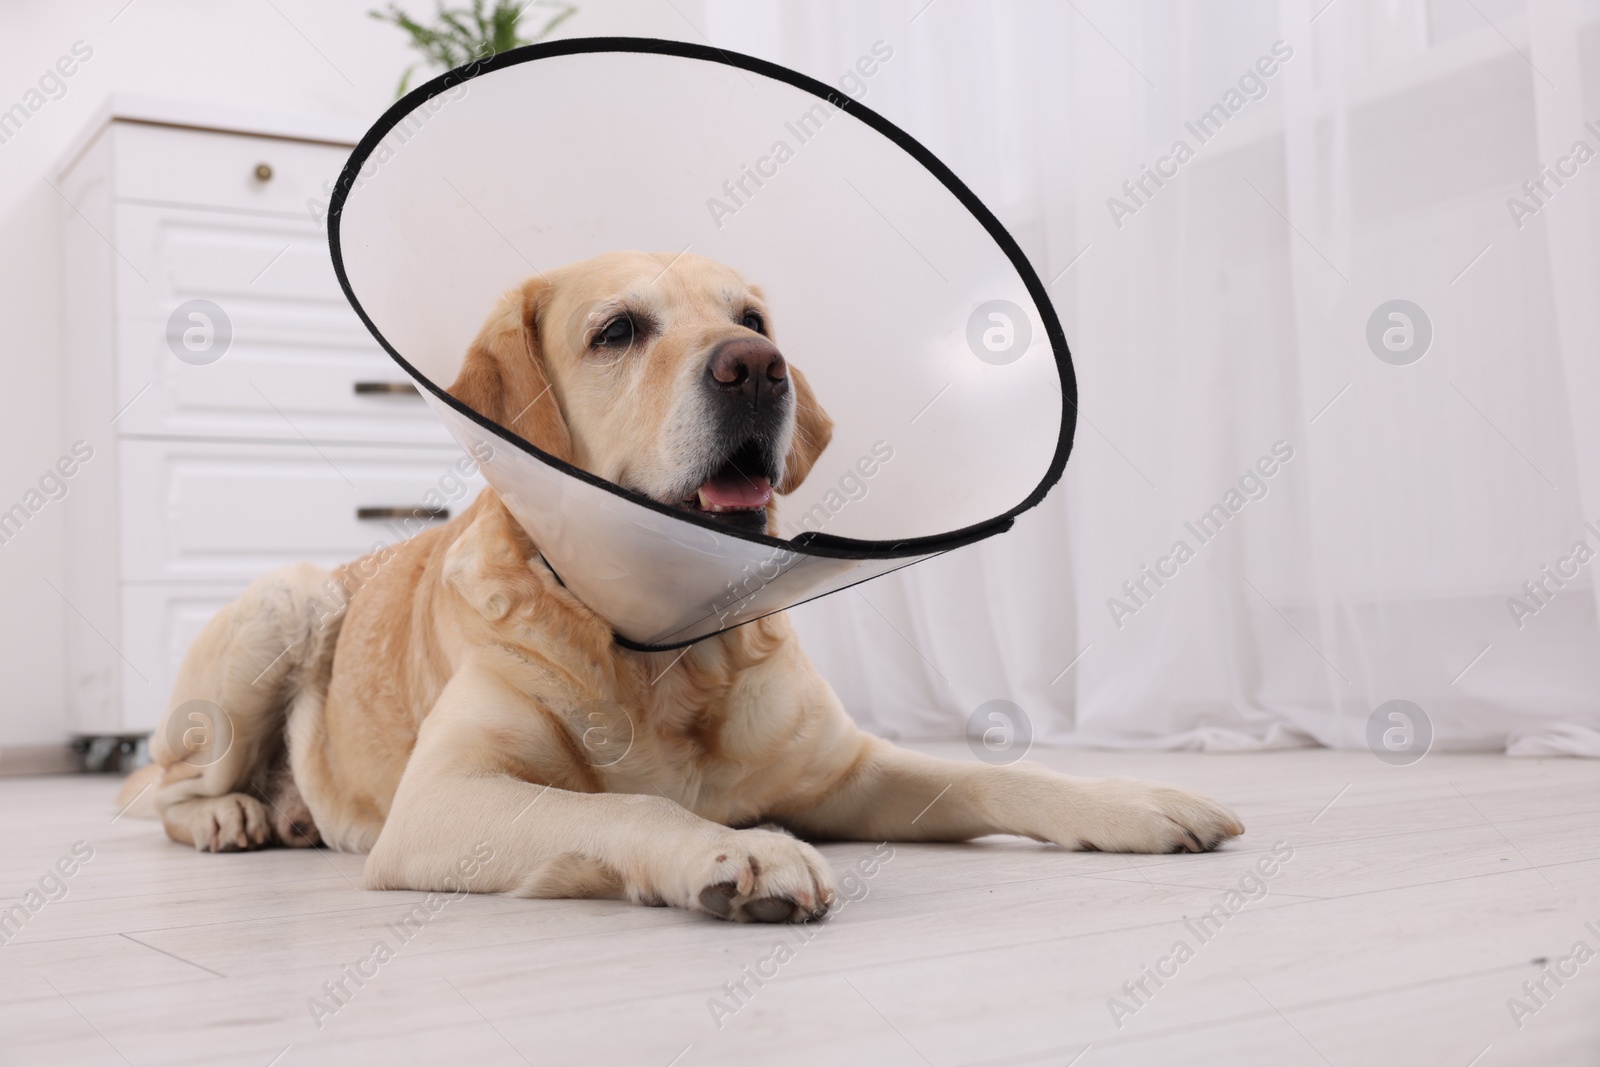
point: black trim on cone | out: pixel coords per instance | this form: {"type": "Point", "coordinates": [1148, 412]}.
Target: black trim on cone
{"type": "Point", "coordinates": [807, 543]}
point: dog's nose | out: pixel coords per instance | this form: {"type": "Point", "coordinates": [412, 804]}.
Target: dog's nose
{"type": "Point", "coordinates": [750, 369]}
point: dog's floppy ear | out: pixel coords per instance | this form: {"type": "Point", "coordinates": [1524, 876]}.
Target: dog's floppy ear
{"type": "Point", "coordinates": [504, 378]}
{"type": "Point", "coordinates": [812, 432]}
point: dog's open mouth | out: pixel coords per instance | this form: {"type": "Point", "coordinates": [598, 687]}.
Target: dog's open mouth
{"type": "Point", "coordinates": [737, 493]}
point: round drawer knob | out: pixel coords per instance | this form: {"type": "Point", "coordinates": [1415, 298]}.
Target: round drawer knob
{"type": "Point", "coordinates": [263, 172]}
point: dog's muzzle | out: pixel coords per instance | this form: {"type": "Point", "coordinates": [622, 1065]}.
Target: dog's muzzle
{"type": "Point", "coordinates": [747, 382]}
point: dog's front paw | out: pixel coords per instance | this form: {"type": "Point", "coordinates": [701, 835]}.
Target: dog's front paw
{"type": "Point", "coordinates": [760, 876]}
{"type": "Point", "coordinates": [1128, 815]}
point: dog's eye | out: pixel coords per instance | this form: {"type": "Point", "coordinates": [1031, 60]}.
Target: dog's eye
{"type": "Point", "coordinates": [618, 333]}
{"type": "Point", "coordinates": [753, 321]}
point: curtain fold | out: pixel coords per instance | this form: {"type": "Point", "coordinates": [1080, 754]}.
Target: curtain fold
{"type": "Point", "coordinates": [1286, 506]}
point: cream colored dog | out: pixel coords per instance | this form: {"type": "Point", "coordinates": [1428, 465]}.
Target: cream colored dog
{"type": "Point", "coordinates": [450, 712]}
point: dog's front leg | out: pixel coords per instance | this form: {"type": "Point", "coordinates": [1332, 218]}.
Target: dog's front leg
{"type": "Point", "coordinates": [891, 794]}
{"type": "Point", "coordinates": [471, 814]}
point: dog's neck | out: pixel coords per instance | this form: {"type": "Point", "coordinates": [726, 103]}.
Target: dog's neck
{"type": "Point", "coordinates": [730, 651]}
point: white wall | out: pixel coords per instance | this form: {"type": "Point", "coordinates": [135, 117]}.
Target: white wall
{"type": "Point", "coordinates": [322, 58]}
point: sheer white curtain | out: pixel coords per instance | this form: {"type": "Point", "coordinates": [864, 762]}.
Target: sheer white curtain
{"type": "Point", "coordinates": [1358, 524]}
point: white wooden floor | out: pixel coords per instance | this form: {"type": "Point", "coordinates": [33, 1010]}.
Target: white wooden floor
{"type": "Point", "coordinates": [1416, 903]}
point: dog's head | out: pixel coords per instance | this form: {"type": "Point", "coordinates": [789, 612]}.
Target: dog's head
{"type": "Point", "coordinates": [658, 373]}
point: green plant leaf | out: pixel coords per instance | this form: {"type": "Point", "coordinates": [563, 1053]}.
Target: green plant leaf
{"type": "Point", "coordinates": [460, 35]}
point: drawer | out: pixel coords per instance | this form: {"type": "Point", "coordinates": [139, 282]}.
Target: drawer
{"type": "Point", "coordinates": [271, 385]}
{"type": "Point", "coordinates": [158, 625]}
{"type": "Point", "coordinates": [261, 271]}
{"type": "Point", "coordinates": [218, 170]}
{"type": "Point", "coordinates": [202, 511]}
{"type": "Point", "coordinates": [297, 361]}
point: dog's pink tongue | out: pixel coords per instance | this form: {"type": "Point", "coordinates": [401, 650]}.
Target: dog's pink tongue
{"type": "Point", "coordinates": [733, 491]}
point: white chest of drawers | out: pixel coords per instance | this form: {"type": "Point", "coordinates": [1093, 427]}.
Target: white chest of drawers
{"type": "Point", "coordinates": [210, 469]}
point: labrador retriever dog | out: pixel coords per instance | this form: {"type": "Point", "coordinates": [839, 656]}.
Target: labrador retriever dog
{"type": "Point", "coordinates": [439, 716]}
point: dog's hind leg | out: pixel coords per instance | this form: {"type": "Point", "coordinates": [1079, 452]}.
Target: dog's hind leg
{"type": "Point", "coordinates": [221, 743]}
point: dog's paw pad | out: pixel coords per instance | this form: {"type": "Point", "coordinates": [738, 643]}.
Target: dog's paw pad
{"type": "Point", "coordinates": [770, 910]}
{"type": "Point", "coordinates": [718, 899]}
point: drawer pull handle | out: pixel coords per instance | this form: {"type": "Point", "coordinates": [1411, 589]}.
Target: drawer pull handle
{"type": "Point", "coordinates": [263, 172]}
{"type": "Point", "coordinates": [386, 389]}
{"type": "Point", "coordinates": [365, 514]}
